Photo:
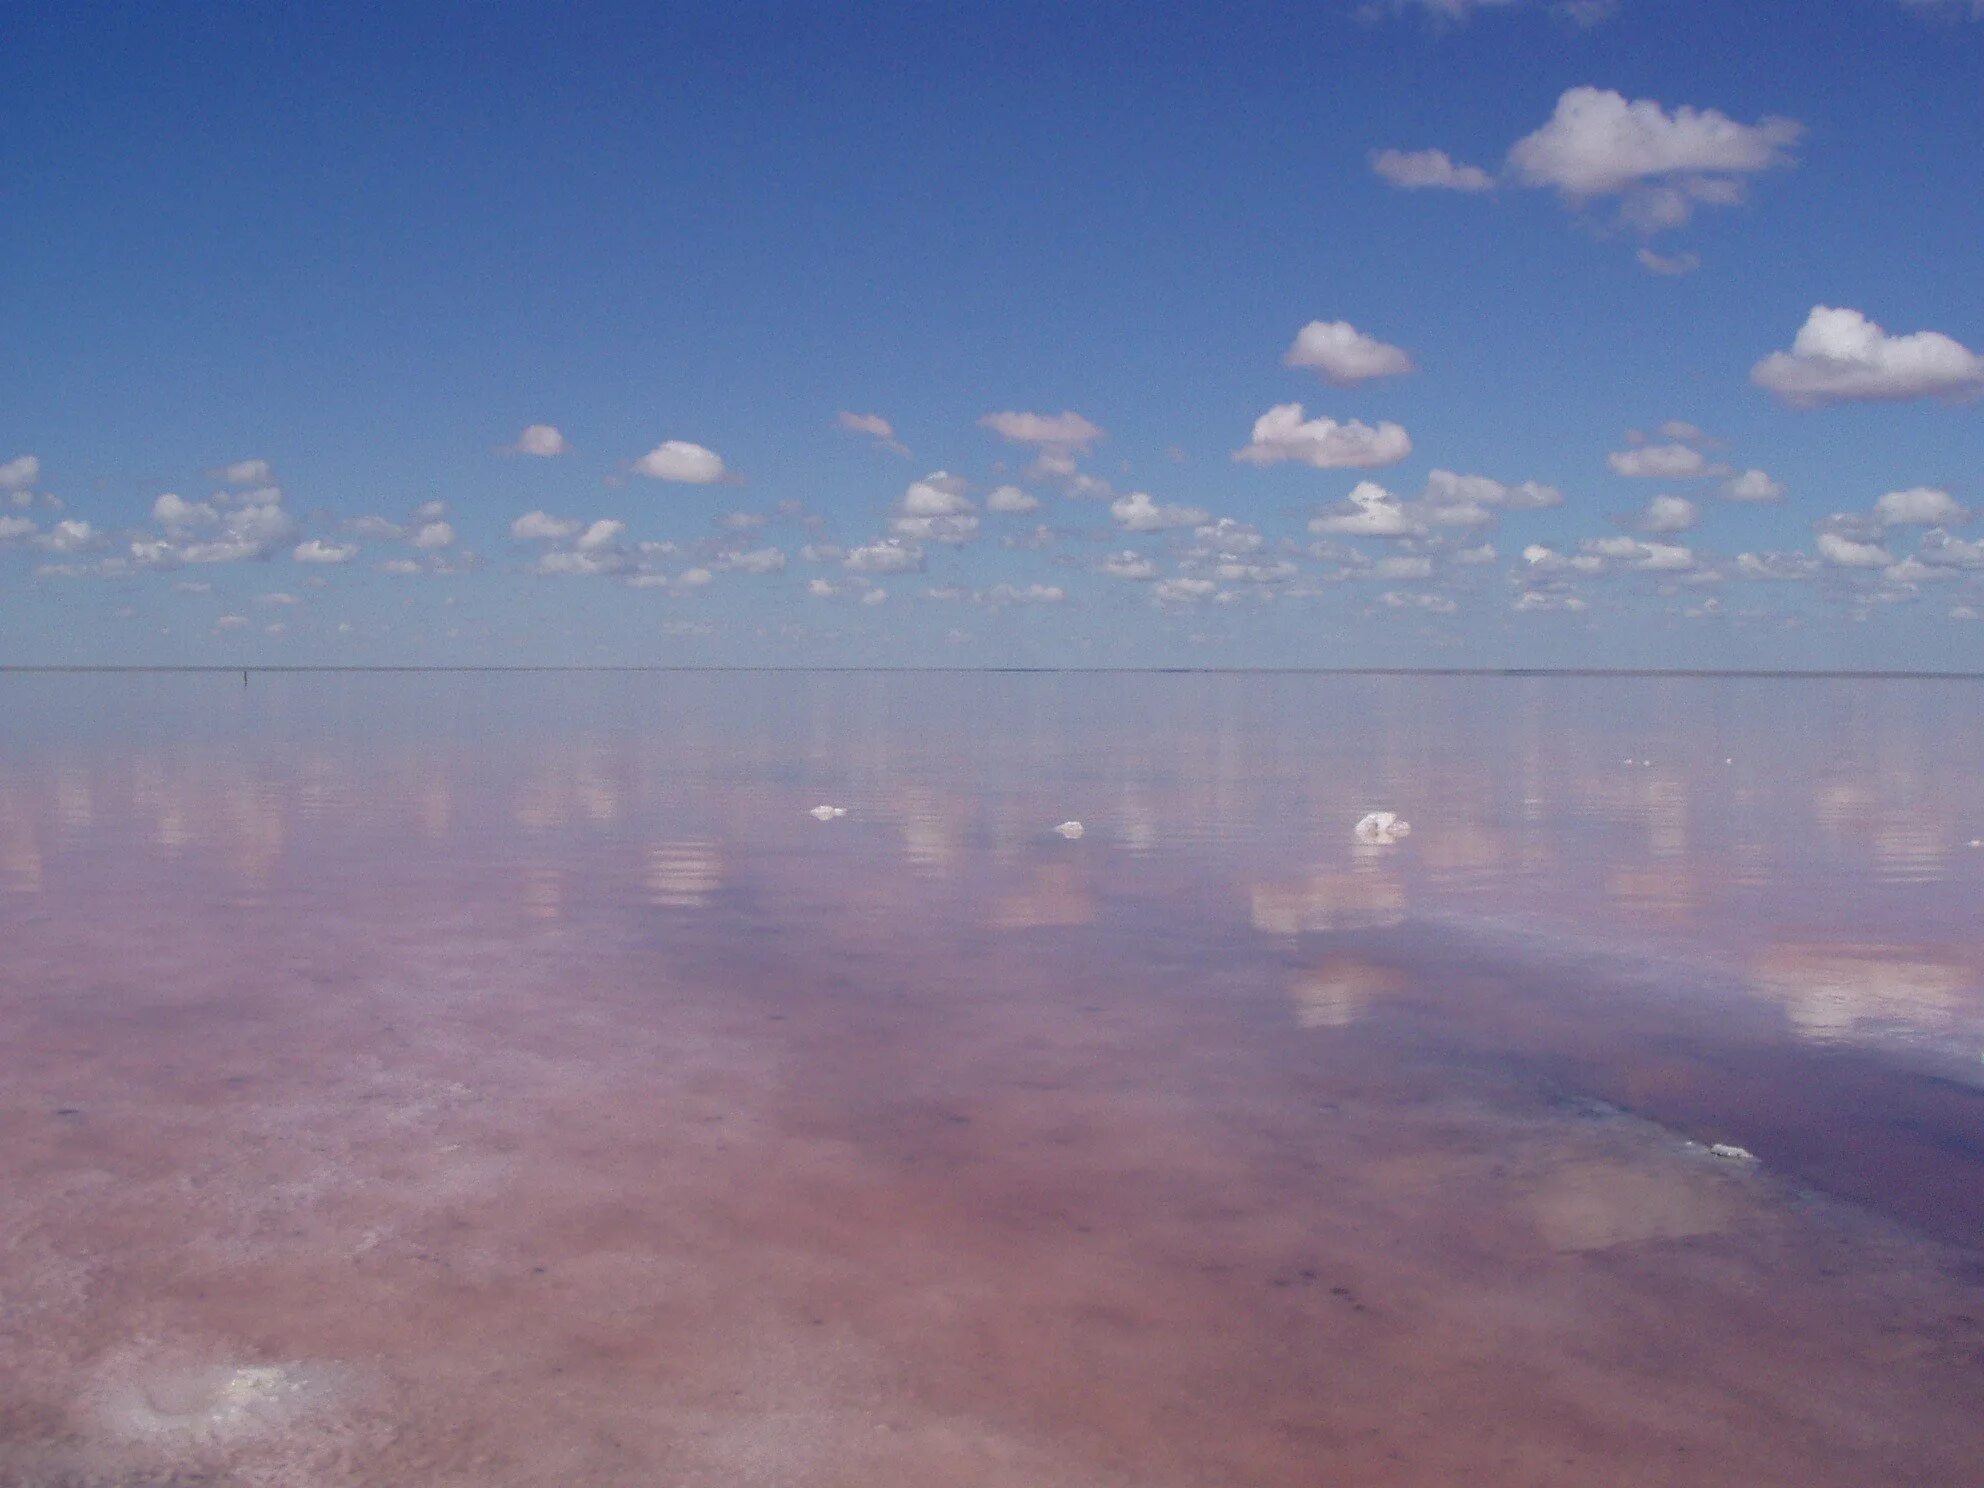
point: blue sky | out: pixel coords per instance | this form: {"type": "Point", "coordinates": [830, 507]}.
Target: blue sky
{"type": "Point", "coordinates": [313, 276]}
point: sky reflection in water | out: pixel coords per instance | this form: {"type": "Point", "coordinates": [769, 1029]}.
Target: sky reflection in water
{"type": "Point", "coordinates": [513, 1073]}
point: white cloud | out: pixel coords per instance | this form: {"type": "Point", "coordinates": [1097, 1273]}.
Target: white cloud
{"type": "Point", "coordinates": [601, 535]}
{"type": "Point", "coordinates": [431, 536]}
{"type": "Point", "coordinates": [540, 526]}
{"type": "Point", "coordinates": [1011, 499]}
{"type": "Point", "coordinates": [1422, 170]}
{"type": "Point", "coordinates": [254, 529]}
{"type": "Point", "coordinates": [1005, 594]}
{"type": "Point", "coordinates": [1668, 265]}
{"type": "Point", "coordinates": [1920, 506]}
{"type": "Point", "coordinates": [937, 495]}
{"type": "Point", "coordinates": [1340, 353]}
{"type": "Point", "coordinates": [1282, 434]}
{"type": "Point", "coordinates": [1841, 356]}
{"type": "Point", "coordinates": [20, 473]}
{"type": "Point", "coordinates": [1183, 591]}
{"type": "Point", "coordinates": [1369, 511]}
{"type": "Point", "coordinates": [1136, 512]}
{"type": "Point", "coordinates": [317, 550]}
{"type": "Point", "coordinates": [175, 514]}
{"type": "Point", "coordinates": [1546, 559]}
{"type": "Point", "coordinates": [1753, 485]}
{"type": "Point", "coordinates": [1956, 552]}
{"type": "Point", "coordinates": [679, 460]}
{"type": "Point", "coordinates": [1649, 557]}
{"type": "Point", "coordinates": [247, 473]}
{"type": "Point", "coordinates": [1128, 565]}
{"type": "Point", "coordinates": [886, 556]}
{"type": "Point", "coordinates": [1845, 552]}
{"type": "Point", "coordinates": [1534, 600]}
{"type": "Point", "coordinates": [1437, 604]}
{"type": "Point", "coordinates": [1063, 433]}
{"type": "Point", "coordinates": [1663, 462]}
{"type": "Point", "coordinates": [1668, 514]}
{"type": "Point", "coordinates": [542, 440]}
{"type": "Point", "coordinates": [950, 531]}
{"type": "Point", "coordinates": [875, 427]}
{"type": "Point", "coordinates": [1778, 566]}
{"type": "Point", "coordinates": [1454, 500]}
{"type": "Point", "coordinates": [757, 561]}
{"type": "Point", "coordinates": [12, 529]}
{"type": "Point", "coordinates": [1597, 143]}
{"type": "Point", "coordinates": [70, 536]}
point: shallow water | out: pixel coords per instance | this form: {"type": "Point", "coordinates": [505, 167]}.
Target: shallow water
{"type": "Point", "coordinates": [504, 1080]}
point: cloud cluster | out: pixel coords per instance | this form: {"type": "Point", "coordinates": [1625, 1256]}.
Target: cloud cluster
{"type": "Point", "coordinates": [1840, 356]}
{"type": "Point", "coordinates": [1284, 434]}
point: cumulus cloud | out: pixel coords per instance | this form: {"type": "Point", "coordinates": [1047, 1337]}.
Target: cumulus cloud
{"type": "Point", "coordinates": [1137, 512]}
{"type": "Point", "coordinates": [1369, 511]}
{"type": "Point", "coordinates": [1920, 506]}
{"type": "Point", "coordinates": [1454, 500]}
{"type": "Point", "coordinates": [1011, 499]}
{"type": "Point", "coordinates": [1846, 552]}
{"type": "Point", "coordinates": [1066, 433]}
{"type": "Point", "coordinates": [1648, 557]}
{"type": "Point", "coordinates": [253, 528]}
{"type": "Point", "coordinates": [70, 535]}
{"type": "Point", "coordinates": [540, 526]}
{"type": "Point", "coordinates": [542, 440]}
{"type": "Point", "coordinates": [1128, 565]}
{"type": "Point", "coordinates": [755, 561]}
{"type": "Point", "coordinates": [1340, 353]}
{"type": "Point", "coordinates": [889, 555]}
{"type": "Point", "coordinates": [875, 427]}
{"type": "Point", "coordinates": [317, 550]}
{"type": "Point", "coordinates": [1841, 356]}
{"type": "Point", "coordinates": [1532, 601]}
{"type": "Point", "coordinates": [1663, 462]}
{"type": "Point", "coordinates": [1753, 485]}
{"type": "Point", "coordinates": [1545, 559]}
{"type": "Point", "coordinates": [247, 473]}
{"type": "Point", "coordinates": [176, 514]}
{"type": "Point", "coordinates": [939, 494]}
{"type": "Point", "coordinates": [432, 536]}
{"type": "Point", "coordinates": [678, 460]}
{"type": "Point", "coordinates": [20, 473]}
{"type": "Point", "coordinates": [1437, 604]}
{"type": "Point", "coordinates": [13, 529]}
{"type": "Point", "coordinates": [1282, 434]}
{"type": "Point", "coordinates": [1783, 567]}
{"type": "Point", "coordinates": [1663, 164]}
{"type": "Point", "coordinates": [1183, 591]}
{"type": "Point", "coordinates": [1667, 514]}
{"type": "Point", "coordinates": [1429, 170]}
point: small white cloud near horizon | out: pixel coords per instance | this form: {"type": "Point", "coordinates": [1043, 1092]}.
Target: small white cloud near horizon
{"type": "Point", "coordinates": [1429, 170]}
{"type": "Point", "coordinates": [1283, 434]}
{"type": "Point", "coordinates": [1840, 356]}
{"type": "Point", "coordinates": [1339, 353]}
{"type": "Point", "coordinates": [685, 463]}
{"type": "Point", "coordinates": [542, 440]}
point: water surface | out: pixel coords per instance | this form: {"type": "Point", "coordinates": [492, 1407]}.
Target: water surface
{"type": "Point", "coordinates": [504, 1080]}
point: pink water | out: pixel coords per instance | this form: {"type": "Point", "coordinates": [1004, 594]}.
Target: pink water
{"type": "Point", "coordinates": [427, 1080]}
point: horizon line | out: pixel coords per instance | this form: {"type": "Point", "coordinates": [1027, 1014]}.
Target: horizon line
{"type": "Point", "coordinates": [1758, 673]}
